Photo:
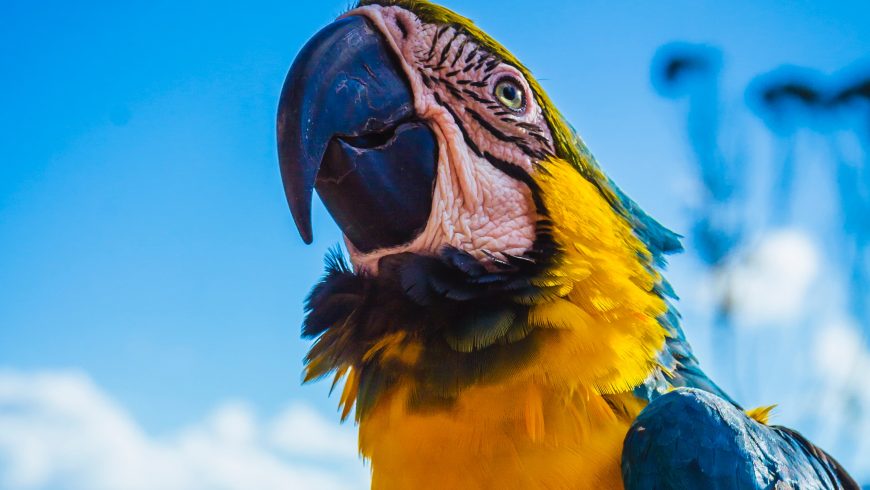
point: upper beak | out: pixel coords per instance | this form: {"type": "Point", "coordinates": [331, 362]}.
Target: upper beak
{"type": "Point", "coordinates": [347, 127]}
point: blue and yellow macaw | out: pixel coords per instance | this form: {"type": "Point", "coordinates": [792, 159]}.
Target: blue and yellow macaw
{"type": "Point", "coordinates": [503, 322]}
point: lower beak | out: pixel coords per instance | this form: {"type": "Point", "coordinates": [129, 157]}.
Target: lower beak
{"type": "Point", "coordinates": [347, 128]}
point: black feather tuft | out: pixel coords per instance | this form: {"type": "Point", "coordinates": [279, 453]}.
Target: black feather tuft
{"type": "Point", "coordinates": [470, 316]}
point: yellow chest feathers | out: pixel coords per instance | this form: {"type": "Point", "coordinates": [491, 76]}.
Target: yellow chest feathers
{"type": "Point", "coordinates": [522, 435]}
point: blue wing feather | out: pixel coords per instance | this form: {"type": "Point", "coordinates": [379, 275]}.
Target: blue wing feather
{"type": "Point", "coordinates": [692, 438]}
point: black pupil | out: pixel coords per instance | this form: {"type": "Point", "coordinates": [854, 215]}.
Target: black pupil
{"type": "Point", "coordinates": [509, 92]}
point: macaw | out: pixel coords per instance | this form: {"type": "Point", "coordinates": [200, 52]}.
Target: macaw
{"type": "Point", "coordinates": [503, 321]}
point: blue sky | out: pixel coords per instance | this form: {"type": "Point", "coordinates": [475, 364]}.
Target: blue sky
{"type": "Point", "coordinates": [145, 242]}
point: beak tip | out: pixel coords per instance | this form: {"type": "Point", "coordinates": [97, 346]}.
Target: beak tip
{"type": "Point", "coordinates": [302, 219]}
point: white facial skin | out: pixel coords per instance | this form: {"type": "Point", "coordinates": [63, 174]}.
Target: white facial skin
{"type": "Point", "coordinates": [476, 207]}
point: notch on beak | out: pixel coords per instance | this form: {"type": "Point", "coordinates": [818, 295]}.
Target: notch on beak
{"type": "Point", "coordinates": [347, 128]}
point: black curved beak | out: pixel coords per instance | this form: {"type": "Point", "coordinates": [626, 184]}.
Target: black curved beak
{"type": "Point", "coordinates": [347, 128]}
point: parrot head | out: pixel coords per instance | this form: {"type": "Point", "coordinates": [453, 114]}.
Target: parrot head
{"type": "Point", "coordinates": [417, 131]}
{"type": "Point", "coordinates": [479, 228]}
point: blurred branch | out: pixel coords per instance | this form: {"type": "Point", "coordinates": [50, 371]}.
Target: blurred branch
{"type": "Point", "coordinates": [692, 72]}
{"type": "Point", "coordinates": [852, 103]}
{"type": "Point", "coordinates": [787, 99]}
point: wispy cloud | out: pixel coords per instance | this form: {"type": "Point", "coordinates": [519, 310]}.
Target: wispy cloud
{"type": "Point", "coordinates": [59, 430]}
{"type": "Point", "coordinates": [770, 285]}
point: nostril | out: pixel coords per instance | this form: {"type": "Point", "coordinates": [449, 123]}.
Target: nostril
{"type": "Point", "coordinates": [402, 27]}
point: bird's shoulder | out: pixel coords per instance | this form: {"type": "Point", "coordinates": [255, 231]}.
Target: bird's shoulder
{"type": "Point", "coordinates": [691, 438]}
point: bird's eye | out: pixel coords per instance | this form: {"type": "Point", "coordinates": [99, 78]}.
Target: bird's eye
{"type": "Point", "coordinates": [510, 94]}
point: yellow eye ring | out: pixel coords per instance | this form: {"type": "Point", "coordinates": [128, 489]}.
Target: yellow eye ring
{"type": "Point", "coordinates": [510, 94]}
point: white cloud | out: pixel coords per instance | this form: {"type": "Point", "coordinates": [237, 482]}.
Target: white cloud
{"type": "Point", "coordinates": [302, 431]}
{"type": "Point", "coordinates": [58, 430]}
{"type": "Point", "coordinates": [770, 286]}
{"type": "Point", "coordinates": [842, 361]}
{"type": "Point", "coordinates": [840, 354]}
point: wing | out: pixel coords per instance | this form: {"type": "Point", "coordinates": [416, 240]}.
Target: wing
{"type": "Point", "coordinates": [691, 438]}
